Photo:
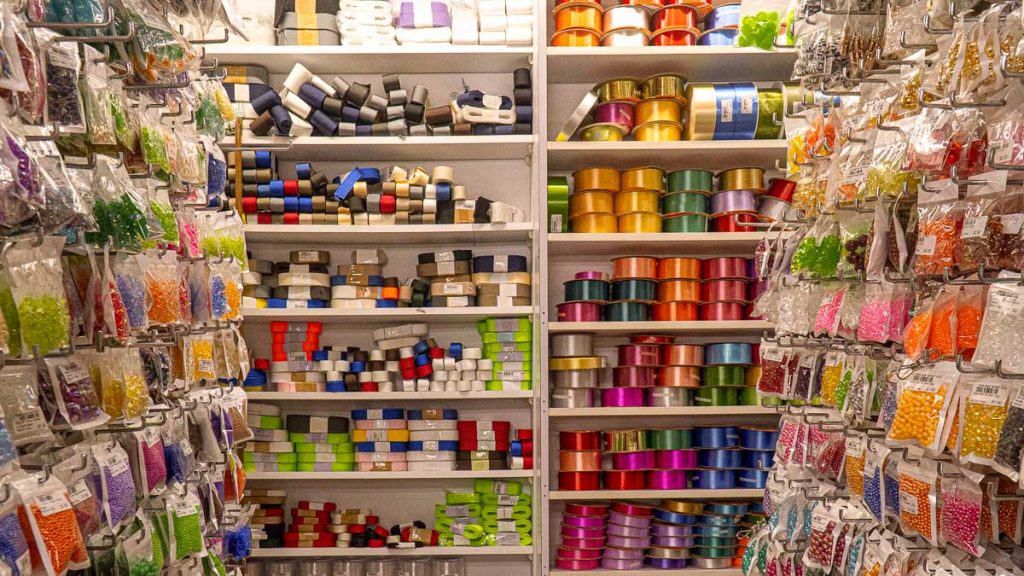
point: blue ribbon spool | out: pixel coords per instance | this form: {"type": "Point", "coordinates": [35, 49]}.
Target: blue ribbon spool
{"type": "Point", "coordinates": [515, 447]}
{"type": "Point", "coordinates": [720, 459]}
{"type": "Point", "coordinates": [339, 280]}
{"type": "Point", "coordinates": [372, 446]}
{"type": "Point", "coordinates": [263, 158]}
{"type": "Point", "coordinates": [319, 355]}
{"type": "Point", "coordinates": [446, 414]}
{"type": "Point", "coordinates": [305, 205]}
{"type": "Point", "coordinates": [276, 188]}
{"type": "Point", "coordinates": [753, 478]}
{"type": "Point", "coordinates": [335, 386]}
{"type": "Point", "coordinates": [745, 111]}
{"type": "Point", "coordinates": [758, 438]}
{"type": "Point", "coordinates": [665, 563]}
{"type": "Point", "coordinates": [385, 414]}
{"type": "Point", "coordinates": [382, 303]}
{"type": "Point", "coordinates": [255, 378]}
{"type": "Point", "coordinates": [442, 445]}
{"type": "Point", "coordinates": [716, 437]}
{"type": "Point", "coordinates": [356, 367]}
{"type": "Point", "coordinates": [717, 521]}
{"type": "Point", "coordinates": [291, 204]}
{"type": "Point", "coordinates": [455, 350]}
{"type": "Point", "coordinates": [728, 508]}
{"type": "Point", "coordinates": [725, 116]}
{"type": "Point", "coordinates": [724, 15]}
{"type": "Point", "coordinates": [443, 192]}
{"type": "Point", "coordinates": [718, 37]}
{"type": "Point", "coordinates": [727, 354]}
{"type": "Point", "coordinates": [421, 359]}
{"type": "Point", "coordinates": [420, 347]}
{"type": "Point", "coordinates": [670, 517]}
{"type": "Point", "coordinates": [712, 479]}
{"type": "Point", "coordinates": [717, 531]}
{"type": "Point", "coordinates": [263, 191]}
{"type": "Point", "coordinates": [303, 170]}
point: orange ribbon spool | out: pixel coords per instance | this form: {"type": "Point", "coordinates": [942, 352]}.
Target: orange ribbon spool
{"type": "Point", "coordinates": [678, 268]}
{"type": "Point", "coordinates": [679, 376]}
{"type": "Point", "coordinates": [679, 291]}
{"type": "Point", "coordinates": [578, 15]}
{"type": "Point", "coordinates": [625, 267]}
{"type": "Point", "coordinates": [674, 311]}
{"type": "Point", "coordinates": [579, 460]}
{"type": "Point", "coordinates": [576, 38]}
{"type": "Point", "coordinates": [683, 355]}
{"type": "Point", "coordinates": [594, 223]}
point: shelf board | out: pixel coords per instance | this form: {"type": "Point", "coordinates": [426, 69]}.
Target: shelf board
{"type": "Point", "coordinates": [387, 552]}
{"type": "Point", "coordinates": [655, 494]}
{"type": "Point", "coordinates": [697, 328]}
{"type": "Point", "coordinates": [331, 60]}
{"type": "Point", "coordinates": [394, 148]}
{"type": "Point", "coordinates": [672, 155]}
{"type": "Point", "coordinates": [697, 63]}
{"type": "Point", "coordinates": [413, 475]}
{"type": "Point", "coordinates": [689, 243]}
{"type": "Point", "coordinates": [382, 315]}
{"type": "Point", "coordinates": [355, 397]}
{"type": "Point", "coordinates": [652, 572]}
{"type": "Point", "coordinates": [649, 411]}
{"type": "Point", "coordinates": [412, 235]}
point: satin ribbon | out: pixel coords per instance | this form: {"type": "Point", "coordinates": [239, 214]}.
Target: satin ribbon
{"type": "Point", "coordinates": [725, 267]}
{"type": "Point", "coordinates": [666, 563]}
{"type": "Point", "coordinates": [639, 354]}
{"type": "Point", "coordinates": [724, 15]}
{"type": "Point", "coordinates": [666, 479]}
{"type": "Point", "coordinates": [571, 531]}
{"type": "Point", "coordinates": [726, 508]}
{"type": "Point", "coordinates": [586, 509]}
{"type": "Point", "coordinates": [579, 312]}
{"type": "Point", "coordinates": [668, 397]}
{"type": "Point", "coordinates": [623, 479]}
{"type": "Point", "coordinates": [758, 438]}
{"type": "Point", "coordinates": [583, 521]}
{"type": "Point", "coordinates": [584, 543]}
{"type": "Point", "coordinates": [627, 531]}
{"type": "Point", "coordinates": [745, 109]}
{"type": "Point", "coordinates": [674, 531]}
{"type": "Point", "coordinates": [716, 437]}
{"type": "Point", "coordinates": [623, 553]}
{"type": "Point", "coordinates": [713, 479]}
{"type": "Point", "coordinates": [671, 439]}
{"type": "Point", "coordinates": [730, 201]}
{"type": "Point", "coordinates": [727, 354]}
{"type": "Point", "coordinates": [622, 397]}
{"type": "Point", "coordinates": [753, 478]}
{"type": "Point", "coordinates": [720, 458]}
{"type": "Point", "coordinates": [633, 460]}
{"type": "Point", "coordinates": [579, 440]}
{"type": "Point", "coordinates": [631, 521]}
{"type": "Point", "coordinates": [626, 312]}
{"type": "Point", "coordinates": [676, 459]}
{"type": "Point", "coordinates": [587, 291]}
{"type": "Point", "coordinates": [624, 542]}
{"type": "Point", "coordinates": [676, 518]}
{"type": "Point", "coordinates": [613, 564]}
{"type": "Point", "coordinates": [634, 376]}
{"type": "Point", "coordinates": [667, 551]}
{"type": "Point", "coordinates": [631, 508]}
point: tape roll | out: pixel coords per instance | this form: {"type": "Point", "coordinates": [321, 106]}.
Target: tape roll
{"type": "Point", "coordinates": [573, 397]}
{"type": "Point", "coordinates": [579, 312]}
{"type": "Point", "coordinates": [575, 379]}
{"type": "Point", "coordinates": [716, 437]}
{"type": "Point", "coordinates": [716, 396]}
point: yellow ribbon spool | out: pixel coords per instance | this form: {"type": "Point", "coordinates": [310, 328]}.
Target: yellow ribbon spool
{"type": "Point", "coordinates": [594, 223]}
{"type": "Point", "coordinates": [640, 222]}
{"type": "Point", "coordinates": [664, 86]}
{"type": "Point", "coordinates": [643, 178]}
{"type": "Point", "coordinates": [658, 131]}
{"type": "Point", "coordinates": [590, 201]}
{"type": "Point", "coordinates": [636, 201]}
{"type": "Point", "coordinates": [653, 110]}
{"type": "Point", "coordinates": [702, 112]}
{"type": "Point", "coordinates": [588, 179]}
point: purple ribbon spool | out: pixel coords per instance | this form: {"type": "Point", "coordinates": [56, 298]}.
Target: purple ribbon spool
{"type": "Point", "coordinates": [614, 564]}
{"type": "Point", "coordinates": [624, 553]}
{"type": "Point", "coordinates": [665, 563]}
{"type": "Point", "coordinates": [729, 201]}
{"type": "Point", "coordinates": [620, 113]}
{"type": "Point", "coordinates": [411, 12]}
{"type": "Point", "coordinates": [673, 541]}
{"type": "Point", "coordinates": [671, 530]}
{"type": "Point", "coordinates": [624, 542]}
{"type": "Point", "coordinates": [621, 397]}
{"type": "Point", "coordinates": [627, 531]}
{"type": "Point", "coordinates": [627, 520]}
{"type": "Point", "coordinates": [642, 460]}
{"type": "Point", "coordinates": [666, 479]}
{"type": "Point", "coordinates": [676, 459]}
{"type": "Point", "coordinates": [591, 275]}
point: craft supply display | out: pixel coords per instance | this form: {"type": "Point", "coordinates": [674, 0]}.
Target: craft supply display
{"type": "Point", "coordinates": [647, 199]}
{"type": "Point", "coordinates": [705, 458]}
{"type": "Point", "coordinates": [448, 279]}
{"type": "Point", "coordinates": [364, 23]}
{"type": "Point", "coordinates": [666, 107]}
{"type": "Point", "coordinates": [405, 359]}
{"type": "Point", "coordinates": [645, 288]}
{"type": "Point", "coordinates": [671, 535]}
{"type": "Point", "coordinates": [308, 105]}
{"type": "Point", "coordinates": [651, 371]}
{"type": "Point", "coordinates": [361, 196]}
{"type": "Point", "coordinates": [631, 24]}
{"type": "Point", "coordinates": [894, 300]}
{"type": "Point", "coordinates": [120, 296]}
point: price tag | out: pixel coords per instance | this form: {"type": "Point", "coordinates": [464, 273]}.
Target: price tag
{"type": "Point", "coordinates": [1002, 154]}
{"type": "Point", "coordinates": [819, 521]}
{"type": "Point", "coordinates": [854, 446]}
{"type": "Point", "coordinates": [506, 525]}
{"type": "Point", "coordinates": [872, 462]}
{"type": "Point", "coordinates": [116, 463]}
{"type": "Point", "coordinates": [73, 372]}
{"type": "Point", "coordinates": [1011, 223]}
{"type": "Point", "coordinates": [832, 359]}
{"type": "Point", "coordinates": [989, 393]}
{"type": "Point", "coordinates": [79, 492]}
{"type": "Point", "coordinates": [974, 226]}
{"type": "Point", "coordinates": [1007, 300]}
{"type": "Point", "coordinates": [453, 290]}
{"type": "Point", "coordinates": [908, 503]}
{"type": "Point", "coordinates": [507, 500]}
{"type": "Point", "coordinates": [504, 512]}
{"type": "Point", "coordinates": [925, 245]}
{"type": "Point", "coordinates": [772, 353]}
{"type": "Point", "coordinates": [310, 256]}
{"type": "Point", "coordinates": [456, 511]}
{"type": "Point", "coordinates": [746, 105]}
{"type": "Point", "coordinates": [1018, 399]}
{"type": "Point", "coordinates": [186, 448]}
{"type": "Point", "coordinates": [855, 174]}
{"type": "Point", "coordinates": [725, 115]}
{"type": "Point", "coordinates": [556, 224]}
{"type": "Point", "coordinates": [206, 365]}
{"type": "Point", "coordinates": [52, 503]}
{"type": "Point", "coordinates": [924, 381]}
{"type": "Point", "coordinates": [185, 507]}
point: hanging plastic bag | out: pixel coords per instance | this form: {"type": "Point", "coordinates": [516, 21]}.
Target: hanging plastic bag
{"type": "Point", "coordinates": [37, 286]}
{"type": "Point", "coordinates": [152, 467]}
{"type": "Point", "coordinates": [117, 488]}
{"type": "Point", "coordinates": [119, 209]}
{"type": "Point", "coordinates": [130, 278]}
{"type": "Point", "coordinates": [1010, 446]}
{"type": "Point", "coordinates": [63, 98]}
{"type": "Point", "coordinates": [75, 393]}
{"type": "Point", "coordinates": [939, 224]}
{"type": "Point", "coordinates": [969, 305]}
{"type": "Point", "coordinates": [1000, 332]}
{"type": "Point", "coordinates": [48, 521]}
{"type": "Point", "coordinates": [942, 333]}
{"type": "Point", "coordinates": [921, 412]}
{"type": "Point", "coordinates": [20, 401]}
{"type": "Point", "coordinates": [961, 512]}
{"type": "Point", "coordinates": [983, 412]}
{"type": "Point", "coordinates": [14, 550]}
{"type": "Point", "coordinates": [76, 473]}
{"type": "Point", "coordinates": [185, 527]}
{"type": "Point", "coordinates": [919, 492]}
{"type": "Point", "coordinates": [163, 287]}
{"type": "Point", "coordinates": [96, 92]}
{"type": "Point", "coordinates": [874, 488]}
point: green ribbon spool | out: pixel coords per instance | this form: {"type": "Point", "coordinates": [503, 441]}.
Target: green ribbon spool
{"type": "Point", "coordinates": [675, 439]}
{"type": "Point", "coordinates": [504, 325]}
{"type": "Point", "coordinates": [716, 396]}
{"type": "Point", "coordinates": [523, 525]}
{"type": "Point", "coordinates": [681, 180]}
{"type": "Point", "coordinates": [794, 97]}
{"type": "Point", "coordinates": [501, 385]}
{"type": "Point", "coordinates": [491, 349]}
{"type": "Point", "coordinates": [727, 375]}
{"type": "Point", "coordinates": [587, 291]}
{"type": "Point", "coordinates": [506, 337]}
{"type": "Point", "coordinates": [675, 202]}
{"type": "Point", "coordinates": [332, 438]}
{"type": "Point", "coordinates": [313, 458]}
{"type": "Point", "coordinates": [488, 486]}
{"type": "Point", "coordinates": [708, 552]}
{"type": "Point", "coordinates": [685, 223]}
{"type": "Point", "coordinates": [716, 542]}
{"type": "Point", "coordinates": [720, 531]}
{"type": "Point", "coordinates": [336, 467]}
{"type": "Point", "coordinates": [270, 423]}
{"type": "Point", "coordinates": [461, 496]}
{"type": "Point", "coordinates": [770, 106]}
{"type": "Point", "coordinates": [558, 204]}
{"type": "Point", "coordinates": [634, 290]}
{"type": "Point", "coordinates": [626, 312]}
{"type": "Point", "coordinates": [748, 396]}
{"type": "Point", "coordinates": [345, 448]}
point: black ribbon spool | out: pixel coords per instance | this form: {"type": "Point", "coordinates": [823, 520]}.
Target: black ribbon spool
{"type": "Point", "coordinates": [282, 120]}
{"type": "Point", "coordinates": [391, 82]}
{"type": "Point", "coordinates": [414, 112]}
{"type": "Point", "coordinates": [523, 96]}
{"type": "Point", "coordinates": [521, 78]}
{"type": "Point", "coordinates": [358, 93]}
{"type": "Point", "coordinates": [333, 106]}
{"type": "Point", "coordinates": [341, 86]}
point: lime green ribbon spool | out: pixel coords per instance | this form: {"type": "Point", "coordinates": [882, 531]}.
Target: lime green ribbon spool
{"type": "Point", "coordinates": [457, 510]}
{"type": "Point", "coordinates": [748, 396]}
{"type": "Point", "coordinates": [489, 486]}
{"type": "Point", "coordinates": [313, 457]}
{"type": "Point", "coordinates": [521, 511]}
{"type": "Point", "coordinates": [716, 396]}
{"type": "Point", "coordinates": [504, 325]}
{"type": "Point", "coordinates": [558, 204]}
{"type": "Point", "coordinates": [501, 385]}
{"type": "Point", "coordinates": [336, 438]}
{"type": "Point", "coordinates": [495, 347]}
{"type": "Point", "coordinates": [770, 107]}
{"type": "Point", "coordinates": [522, 525]}
{"type": "Point", "coordinates": [336, 467]}
{"type": "Point", "coordinates": [503, 499]}
{"type": "Point", "coordinates": [471, 531]}
{"type": "Point", "coordinates": [723, 376]}
{"type": "Point", "coordinates": [270, 423]}
{"type": "Point", "coordinates": [518, 366]}
{"type": "Point", "coordinates": [344, 448]}
{"type": "Point", "coordinates": [506, 337]}
{"type": "Point", "coordinates": [461, 496]}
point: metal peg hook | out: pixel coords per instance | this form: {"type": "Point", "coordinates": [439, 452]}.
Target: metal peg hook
{"type": "Point", "coordinates": [1006, 375]}
{"type": "Point", "coordinates": [965, 368]}
{"type": "Point", "coordinates": [112, 38]}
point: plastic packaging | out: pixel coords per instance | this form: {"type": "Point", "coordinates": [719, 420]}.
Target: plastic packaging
{"type": "Point", "coordinates": [119, 209]}
{"type": "Point", "coordinates": [47, 515]}
{"type": "Point", "coordinates": [1000, 330]}
{"type": "Point", "coordinates": [185, 527]}
{"type": "Point", "coordinates": [225, 290]}
{"type": "Point", "coordinates": [923, 403]}
{"type": "Point", "coordinates": [969, 305]}
{"type": "Point", "coordinates": [131, 285]}
{"type": "Point", "coordinates": [197, 354]}
{"type": "Point", "coordinates": [939, 224]}
{"type": "Point", "coordinates": [21, 406]}
{"type": "Point", "coordinates": [162, 285]}
{"type": "Point", "coordinates": [117, 488]}
{"type": "Point", "coordinates": [97, 94]}
{"type": "Point", "coordinates": [37, 287]}
{"type": "Point", "coordinates": [1007, 458]}
{"type": "Point", "coordinates": [63, 98]}
{"type": "Point", "coordinates": [822, 543]}
{"type": "Point", "coordinates": [942, 334]}
{"type": "Point", "coordinates": [14, 552]}
{"type": "Point", "coordinates": [982, 415]}
{"type": "Point", "coordinates": [152, 467]}
{"type": "Point", "coordinates": [873, 478]}
{"type": "Point", "coordinates": [919, 490]}
{"type": "Point", "coordinates": [76, 473]}
{"type": "Point", "coordinates": [961, 513]}
{"type": "Point", "coordinates": [163, 213]}
{"type": "Point", "coordinates": [856, 453]}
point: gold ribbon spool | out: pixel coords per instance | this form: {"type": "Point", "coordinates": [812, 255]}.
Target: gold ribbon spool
{"type": "Point", "coordinates": [577, 363]}
{"type": "Point", "coordinates": [624, 89]}
{"type": "Point", "coordinates": [640, 222]}
{"type": "Point", "coordinates": [658, 131]}
{"type": "Point", "coordinates": [792, 96]}
{"type": "Point", "coordinates": [741, 179]}
{"type": "Point", "coordinates": [605, 132]}
{"type": "Point", "coordinates": [602, 179]}
{"type": "Point", "coordinates": [653, 110]}
{"type": "Point", "coordinates": [594, 223]}
{"type": "Point", "coordinates": [636, 201]}
{"type": "Point", "coordinates": [626, 440]}
{"type": "Point", "coordinates": [702, 112]}
{"type": "Point", "coordinates": [664, 86]}
{"type": "Point", "coordinates": [643, 178]}
{"type": "Point", "coordinates": [591, 201]}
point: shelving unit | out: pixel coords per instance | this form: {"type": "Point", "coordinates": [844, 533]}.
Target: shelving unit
{"type": "Point", "coordinates": [651, 572]}
{"type": "Point", "coordinates": [357, 397]}
{"type": "Point", "coordinates": [688, 494]}
{"type": "Point", "coordinates": [708, 155]}
{"type": "Point", "coordinates": [404, 149]}
{"type": "Point", "coordinates": [384, 315]}
{"type": "Point", "coordinates": [663, 244]}
{"type": "Point", "coordinates": [646, 411]}
{"type": "Point", "coordinates": [398, 553]}
{"type": "Point", "coordinates": [320, 235]}
{"type": "Point", "coordinates": [696, 328]}
{"type": "Point", "coordinates": [697, 63]}
{"type": "Point", "coordinates": [439, 59]}
{"type": "Point", "coordinates": [381, 476]}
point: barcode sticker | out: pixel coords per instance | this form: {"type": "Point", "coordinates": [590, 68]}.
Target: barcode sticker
{"type": "Point", "coordinates": [52, 503]}
{"type": "Point", "coordinates": [771, 353]}
{"type": "Point", "coordinates": [923, 381]}
{"type": "Point", "coordinates": [908, 503]}
{"type": "Point", "coordinates": [1018, 399]}
{"type": "Point", "coordinates": [79, 492]}
{"type": "Point", "coordinates": [974, 226]}
{"type": "Point", "coordinates": [989, 394]}
{"type": "Point", "coordinates": [1007, 300]}
{"type": "Point", "coordinates": [1011, 223]}
{"type": "Point", "coordinates": [746, 105]}
{"type": "Point", "coordinates": [925, 245]}
{"type": "Point", "coordinates": [726, 111]}
{"type": "Point", "coordinates": [819, 520]}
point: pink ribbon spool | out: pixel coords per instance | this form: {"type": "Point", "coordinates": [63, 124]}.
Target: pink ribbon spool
{"type": "Point", "coordinates": [584, 543]}
{"type": "Point", "coordinates": [578, 553]}
{"type": "Point", "coordinates": [635, 376]}
{"type": "Point", "coordinates": [642, 460]}
{"type": "Point", "coordinates": [723, 291]}
{"type": "Point", "coordinates": [570, 531]}
{"type": "Point", "coordinates": [586, 509]}
{"type": "Point", "coordinates": [672, 530]}
{"type": "Point", "coordinates": [626, 542]}
{"type": "Point", "coordinates": [623, 553]}
{"type": "Point", "coordinates": [622, 397]}
{"type": "Point", "coordinates": [639, 355]}
{"type": "Point", "coordinates": [675, 459]}
{"type": "Point", "coordinates": [722, 311]}
{"type": "Point", "coordinates": [591, 522]}
{"type": "Point", "coordinates": [632, 509]}
{"type": "Point", "coordinates": [627, 520]}
{"type": "Point", "coordinates": [613, 564]}
{"type": "Point", "coordinates": [666, 479]}
{"type": "Point", "coordinates": [620, 113]}
{"type": "Point", "coordinates": [579, 312]}
{"type": "Point", "coordinates": [567, 564]}
{"type": "Point", "coordinates": [729, 201]}
{"type": "Point", "coordinates": [627, 531]}
{"type": "Point", "coordinates": [728, 267]}
{"type": "Point", "coordinates": [592, 275]}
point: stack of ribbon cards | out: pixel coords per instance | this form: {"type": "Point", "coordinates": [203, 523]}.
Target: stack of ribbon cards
{"type": "Point", "coordinates": [492, 513]}
{"type": "Point", "coordinates": [508, 344]}
{"type": "Point", "coordinates": [322, 443]}
{"type": "Point", "coordinates": [268, 525]}
{"type": "Point", "coordinates": [270, 450]}
{"type": "Point", "coordinates": [308, 105]}
{"type": "Point", "coordinates": [457, 279]}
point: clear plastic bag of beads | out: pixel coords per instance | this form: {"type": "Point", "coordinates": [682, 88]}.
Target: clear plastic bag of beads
{"type": "Point", "coordinates": [19, 397]}
{"type": "Point", "coordinates": [960, 520]}
{"type": "Point", "coordinates": [918, 494]}
{"type": "Point", "coordinates": [1010, 445]}
{"type": "Point", "coordinates": [37, 285]}
{"type": "Point", "coordinates": [874, 483]}
{"type": "Point", "coordinates": [1001, 332]}
{"type": "Point", "coordinates": [904, 23]}
{"type": "Point", "coordinates": [873, 324]}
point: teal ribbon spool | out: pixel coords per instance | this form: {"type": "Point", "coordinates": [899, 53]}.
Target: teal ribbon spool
{"type": "Point", "coordinates": [685, 223]}
{"type": "Point", "coordinates": [626, 312]}
{"type": "Point", "coordinates": [728, 375]}
{"type": "Point", "coordinates": [717, 541]}
{"type": "Point", "coordinates": [708, 552]}
{"type": "Point", "coordinates": [676, 202]}
{"type": "Point", "coordinates": [587, 291]}
{"type": "Point", "coordinates": [716, 396]}
{"type": "Point", "coordinates": [681, 180]}
{"type": "Point", "coordinates": [635, 290]}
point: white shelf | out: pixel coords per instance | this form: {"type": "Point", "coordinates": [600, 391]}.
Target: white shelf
{"type": "Point", "coordinates": [355, 397]}
{"type": "Point", "coordinates": [671, 155]}
{"type": "Point", "coordinates": [331, 60]}
{"type": "Point", "coordinates": [652, 572]}
{"type": "Point", "coordinates": [394, 148]}
{"type": "Point", "coordinates": [413, 235]}
{"type": "Point", "coordinates": [687, 494]}
{"type": "Point", "coordinates": [647, 412]}
{"type": "Point", "coordinates": [413, 475]}
{"type": "Point", "coordinates": [697, 63]}
{"type": "Point", "coordinates": [382, 315]}
{"type": "Point", "coordinates": [665, 243]}
{"type": "Point", "coordinates": [700, 328]}
{"type": "Point", "coordinates": [388, 552]}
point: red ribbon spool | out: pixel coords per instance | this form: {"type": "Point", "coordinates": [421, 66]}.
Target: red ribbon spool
{"type": "Point", "coordinates": [676, 16]}
{"type": "Point", "coordinates": [724, 291]}
{"type": "Point", "coordinates": [782, 189]}
{"type": "Point", "coordinates": [674, 37]}
{"type": "Point", "coordinates": [730, 267]}
{"type": "Point", "coordinates": [579, 440]}
{"type": "Point", "coordinates": [586, 508]}
{"type": "Point", "coordinates": [579, 480]}
{"type": "Point", "coordinates": [635, 376]}
{"type": "Point", "coordinates": [632, 509]}
{"type": "Point", "coordinates": [577, 311]}
{"type": "Point", "coordinates": [623, 479]}
{"type": "Point", "coordinates": [733, 222]}
{"type": "Point", "coordinates": [639, 354]}
{"type": "Point", "coordinates": [722, 311]}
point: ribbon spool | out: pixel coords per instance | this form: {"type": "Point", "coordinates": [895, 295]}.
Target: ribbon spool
{"type": "Point", "coordinates": [639, 354]}
{"type": "Point", "coordinates": [596, 179]}
{"type": "Point", "coordinates": [594, 223]}
{"type": "Point", "coordinates": [579, 481]}
{"type": "Point", "coordinates": [604, 133]}
{"type": "Point", "coordinates": [675, 37]}
{"type": "Point", "coordinates": [558, 204]}
{"type": "Point", "coordinates": [675, 311]}
{"type": "Point", "coordinates": [636, 201]}
{"type": "Point", "coordinates": [620, 113]}
{"type": "Point", "coordinates": [587, 291]}
{"type": "Point", "coordinates": [627, 37]}
{"type": "Point", "coordinates": [576, 38]}
{"type": "Point", "coordinates": [679, 268]}
{"type": "Point", "coordinates": [718, 37]}
{"type": "Point", "coordinates": [747, 178]}
{"type": "Point", "coordinates": [686, 203]}
{"type": "Point", "coordinates": [642, 267]}
{"type": "Point", "coordinates": [722, 311]}
{"type": "Point", "coordinates": [716, 437]}
{"type": "Point", "coordinates": [712, 479]}
{"type": "Point", "coordinates": [728, 354]}
{"type": "Point", "coordinates": [723, 291]}
{"type": "Point", "coordinates": [623, 480]}
{"type": "Point", "coordinates": [723, 375]}
{"type": "Point", "coordinates": [658, 110]}
{"type": "Point", "coordinates": [684, 222]}
{"type": "Point", "coordinates": [579, 312]}
{"type": "Point", "coordinates": [585, 15]}
{"type": "Point", "coordinates": [679, 377]}
{"type": "Point", "coordinates": [576, 379]}
{"type": "Point", "coordinates": [626, 16]}
{"type": "Point", "coordinates": [676, 16]}
{"type": "Point", "coordinates": [591, 201]}
{"type": "Point", "coordinates": [572, 398]}
{"type": "Point", "coordinates": [640, 222]}
{"type": "Point", "coordinates": [728, 267]}
{"type": "Point", "coordinates": [702, 113]}
{"type": "Point", "coordinates": [753, 438]}
{"type": "Point", "coordinates": [621, 396]}
{"type": "Point", "coordinates": [732, 222]}
{"type": "Point", "coordinates": [624, 89]}
{"type": "Point", "coordinates": [679, 291]}
{"type": "Point", "coordinates": [658, 131]}
{"type": "Point", "coordinates": [772, 209]}
{"type": "Point", "coordinates": [646, 178]}
{"type": "Point", "coordinates": [668, 397]}
{"type": "Point", "coordinates": [691, 181]}
{"type": "Point", "coordinates": [770, 108]}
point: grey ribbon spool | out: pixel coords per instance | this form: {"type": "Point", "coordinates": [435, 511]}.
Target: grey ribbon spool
{"type": "Point", "coordinates": [398, 98]}
{"type": "Point", "coordinates": [341, 86]}
{"type": "Point", "coordinates": [378, 102]}
{"type": "Point", "coordinates": [670, 397]}
{"type": "Point", "coordinates": [398, 127]}
{"type": "Point", "coordinates": [277, 205]}
{"type": "Point", "coordinates": [368, 114]}
{"type": "Point", "coordinates": [417, 192]}
{"type": "Point", "coordinates": [418, 130]}
{"type": "Point", "coordinates": [395, 112]}
{"type": "Point", "coordinates": [442, 130]}
{"type": "Point", "coordinates": [588, 378]}
{"type": "Point", "coordinates": [419, 95]}
{"type": "Point", "coordinates": [379, 129]}
{"type": "Point", "coordinates": [563, 345]}
{"type": "Point", "coordinates": [346, 129]}
{"type": "Point", "coordinates": [391, 82]}
{"type": "Point", "coordinates": [249, 159]}
{"type": "Point", "coordinates": [373, 203]}
{"type": "Point", "coordinates": [572, 398]}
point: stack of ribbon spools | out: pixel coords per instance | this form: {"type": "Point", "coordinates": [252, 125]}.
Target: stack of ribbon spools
{"type": "Point", "coordinates": [734, 111]}
{"type": "Point", "coordinates": [724, 376]}
{"type": "Point", "coordinates": [575, 370]}
{"type": "Point", "coordinates": [257, 171]}
{"type": "Point", "coordinates": [725, 288]}
{"type": "Point", "coordinates": [606, 200]}
{"type": "Point", "coordinates": [672, 535]}
{"type": "Point", "coordinates": [777, 201]}
{"type": "Point", "coordinates": [733, 206]}
{"type": "Point", "coordinates": [583, 23]}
